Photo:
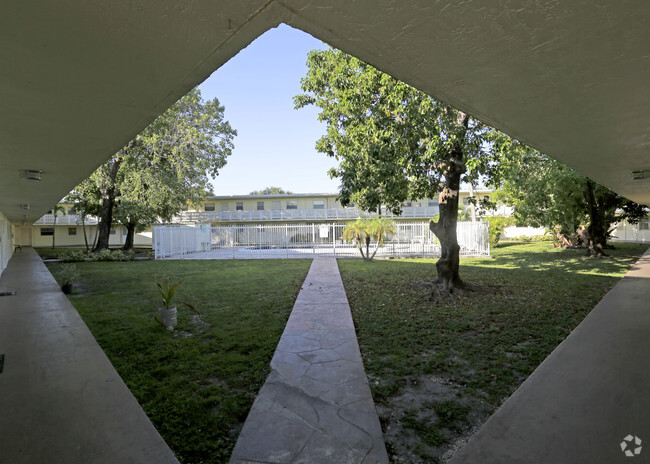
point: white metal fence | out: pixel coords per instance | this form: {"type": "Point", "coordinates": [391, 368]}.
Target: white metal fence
{"type": "Point", "coordinates": [305, 241]}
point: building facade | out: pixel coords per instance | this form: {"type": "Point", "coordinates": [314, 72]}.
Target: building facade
{"type": "Point", "coordinates": [67, 230]}
{"type": "Point", "coordinates": [305, 208]}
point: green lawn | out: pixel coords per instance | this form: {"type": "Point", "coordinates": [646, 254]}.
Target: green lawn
{"type": "Point", "coordinates": [198, 383]}
{"type": "Point", "coordinates": [438, 371]}
{"type": "Point", "coordinates": [435, 371]}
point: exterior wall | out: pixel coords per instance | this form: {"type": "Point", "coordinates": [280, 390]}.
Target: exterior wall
{"type": "Point", "coordinates": [625, 232]}
{"type": "Point", "coordinates": [514, 232]}
{"type": "Point", "coordinates": [270, 202]}
{"type": "Point", "coordinates": [249, 202]}
{"type": "Point", "coordinates": [64, 239]}
{"type": "Point", "coordinates": [6, 241]}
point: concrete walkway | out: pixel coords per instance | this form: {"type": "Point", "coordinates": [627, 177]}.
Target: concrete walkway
{"type": "Point", "coordinates": [589, 401]}
{"type": "Point", "coordinates": [315, 406]}
{"type": "Point", "coordinates": [61, 400]}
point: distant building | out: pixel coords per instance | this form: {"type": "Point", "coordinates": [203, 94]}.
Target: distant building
{"type": "Point", "coordinates": [303, 207]}
{"type": "Point", "coordinates": [232, 210]}
{"type": "Point", "coordinates": [69, 231]}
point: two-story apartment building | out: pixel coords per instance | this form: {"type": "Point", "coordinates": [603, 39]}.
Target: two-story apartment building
{"type": "Point", "coordinates": [68, 231]}
{"type": "Point", "coordinates": [307, 207]}
{"type": "Point", "coordinates": [228, 210]}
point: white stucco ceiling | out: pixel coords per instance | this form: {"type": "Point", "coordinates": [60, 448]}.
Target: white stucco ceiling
{"type": "Point", "coordinates": [79, 79]}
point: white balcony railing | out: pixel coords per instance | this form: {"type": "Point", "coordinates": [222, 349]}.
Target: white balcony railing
{"type": "Point", "coordinates": [204, 217]}
{"type": "Point", "coordinates": [65, 220]}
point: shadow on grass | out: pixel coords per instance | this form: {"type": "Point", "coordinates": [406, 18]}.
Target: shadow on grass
{"type": "Point", "coordinates": [476, 352]}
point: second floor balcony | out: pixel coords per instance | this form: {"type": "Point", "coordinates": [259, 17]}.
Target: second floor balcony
{"type": "Point", "coordinates": [65, 220]}
{"type": "Point", "coordinates": [335, 214]}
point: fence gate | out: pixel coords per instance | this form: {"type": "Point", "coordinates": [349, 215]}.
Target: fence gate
{"type": "Point", "coordinates": [306, 241]}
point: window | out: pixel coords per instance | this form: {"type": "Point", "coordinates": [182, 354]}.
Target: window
{"type": "Point", "coordinates": [260, 205]}
{"type": "Point", "coordinates": [292, 204]}
{"type": "Point", "coordinates": [224, 206]}
{"type": "Point", "coordinates": [407, 204]}
{"type": "Point", "coordinates": [239, 206]}
{"type": "Point", "coordinates": [47, 230]}
{"type": "Point", "coordinates": [72, 210]}
{"type": "Point", "coordinates": [319, 204]}
{"type": "Point", "coordinates": [113, 232]}
{"type": "Point", "coordinates": [643, 225]}
{"type": "Point", "coordinates": [276, 205]}
{"type": "Point", "coordinates": [72, 231]}
{"type": "Point", "coordinates": [433, 202]}
{"type": "Point", "coordinates": [208, 207]}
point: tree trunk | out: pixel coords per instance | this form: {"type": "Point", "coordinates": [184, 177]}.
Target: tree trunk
{"type": "Point", "coordinates": [130, 236]}
{"type": "Point", "coordinates": [54, 230]}
{"type": "Point", "coordinates": [83, 226]}
{"type": "Point", "coordinates": [108, 193]}
{"type": "Point", "coordinates": [445, 229]}
{"type": "Point", "coordinates": [597, 230]}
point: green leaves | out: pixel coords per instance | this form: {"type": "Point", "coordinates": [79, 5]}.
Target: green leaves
{"type": "Point", "coordinates": [167, 290]}
{"type": "Point", "coordinates": [166, 166]}
{"type": "Point", "coordinates": [392, 141]}
{"type": "Point", "coordinates": [362, 231]}
{"type": "Point", "coordinates": [546, 193]}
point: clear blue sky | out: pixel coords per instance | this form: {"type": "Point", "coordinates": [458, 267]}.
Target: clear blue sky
{"type": "Point", "coordinates": [275, 143]}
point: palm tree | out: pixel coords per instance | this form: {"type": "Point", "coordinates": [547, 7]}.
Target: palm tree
{"type": "Point", "coordinates": [356, 232]}
{"type": "Point", "coordinates": [378, 228]}
{"type": "Point", "coordinates": [57, 209]}
{"type": "Point", "coordinates": [362, 231]}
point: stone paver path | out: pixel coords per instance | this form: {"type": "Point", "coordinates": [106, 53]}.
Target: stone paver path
{"type": "Point", "coordinates": [315, 406]}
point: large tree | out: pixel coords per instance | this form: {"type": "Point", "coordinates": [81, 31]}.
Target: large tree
{"type": "Point", "coordinates": [394, 142]}
{"type": "Point", "coordinates": [163, 168]}
{"type": "Point", "coordinates": [271, 191]}
{"type": "Point", "coordinates": [546, 193]}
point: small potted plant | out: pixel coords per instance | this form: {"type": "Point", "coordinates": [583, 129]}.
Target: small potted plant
{"type": "Point", "coordinates": [68, 274]}
{"type": "Point", "coordinates": [167, 313]}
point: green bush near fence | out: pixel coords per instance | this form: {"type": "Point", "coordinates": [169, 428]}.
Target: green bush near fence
{"type": "Point", "coordinates": [497, 225]}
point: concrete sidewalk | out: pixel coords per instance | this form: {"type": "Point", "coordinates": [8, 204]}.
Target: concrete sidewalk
{"type": "Point", "coordinates": [315, 406]}
{"type": "Point", "coordinates": [589, 401]}
{"type": "Point", "coordinates": [61, 400]}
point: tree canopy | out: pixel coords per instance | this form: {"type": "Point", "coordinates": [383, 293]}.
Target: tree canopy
{"type": "Point", "coordinates": [163, 168]}
{"type": "Point", "coordinates": [271, 191]}
{"type": "Point", "coordinates": [394, 142]}
{"type": "Point", "coordinates": [546, 193]}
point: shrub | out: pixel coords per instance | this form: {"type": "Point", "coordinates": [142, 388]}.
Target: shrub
{"type": "Point", "coordinates": [534, 238]}
{"type": "Point", "coordinates": [108, 255]}
{"type": "Point", "coordinates": [497, 224]}
{"type": "Point", "coordinates": [72, 256]}
{"type": "Point", "coordinates": [67, 274]}
{"type": "Point", "coordinates": [119, 255]}
{"type": "Point", "coordinates": [102, 255]}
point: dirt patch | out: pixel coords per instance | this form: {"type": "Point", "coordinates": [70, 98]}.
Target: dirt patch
{"type": "Point", "coordinates": [429, 419]}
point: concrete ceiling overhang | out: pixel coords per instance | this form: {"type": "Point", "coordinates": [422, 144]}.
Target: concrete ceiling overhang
{"type": "Point", "coordinates": [79, 79]}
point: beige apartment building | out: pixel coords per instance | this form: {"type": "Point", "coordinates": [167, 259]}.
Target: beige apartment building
{"type": "Point", "coordinates": [222, 210]}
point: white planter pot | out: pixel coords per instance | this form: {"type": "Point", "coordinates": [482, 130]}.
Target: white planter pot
{"type": "Point", "coordinates": [167, 317]}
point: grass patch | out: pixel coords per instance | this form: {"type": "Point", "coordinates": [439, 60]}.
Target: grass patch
{"type": "Point", "coordinates": [198, 383]}
{"type": "Point", "coordinates": [456, 364]}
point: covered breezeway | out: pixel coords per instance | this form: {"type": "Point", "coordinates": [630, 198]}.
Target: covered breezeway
{"type": "Point", "coordinates": [568, 78]}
